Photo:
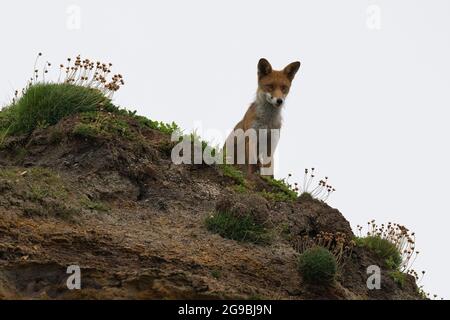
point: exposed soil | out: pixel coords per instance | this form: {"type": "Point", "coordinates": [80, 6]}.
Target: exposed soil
{"type": "Point", "coordinates": [134, 222]}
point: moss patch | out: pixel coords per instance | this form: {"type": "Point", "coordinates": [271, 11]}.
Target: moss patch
{"type": "Point", "coordinates": [398, 277]}
{"type": "Point", "coordinates": [43, 192]}
{"type": "Point", "coordinates": [279, 190]}
{"type": "Point", "coordinates": [234, 174]}
{"type": "Point", "coordinates": [243, 228]}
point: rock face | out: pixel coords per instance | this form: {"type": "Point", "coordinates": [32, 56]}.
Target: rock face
{"type": "Point", "coordinates": [134, 223]}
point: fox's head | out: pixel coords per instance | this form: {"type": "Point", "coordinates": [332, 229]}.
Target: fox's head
{"type": "Point", "coordinates": [273, 85]}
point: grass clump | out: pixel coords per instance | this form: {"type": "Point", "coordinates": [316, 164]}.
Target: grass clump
{"type": "Point", "coordinates": [305, 197]}
{"type": "Point", "coordinates": [86, 131]}
{"type": "Point", "coordinates": [397, 245]}
{"type": "Point", "coordinates": [44, 104]}
{"type": "Point", "coordinates": [216, 274]}
{"type": "Point", "coordinates": [402, 245]}
{"type": "Point", "coordinates": [383, 248]}
{"type": "Point", "coordinates": [101, 124]}
{"type": "Point", "coordinates": [243, 228]}
{"type": "Point", "coordinates": [167, 128]}
{"type": "Point", "coordinates": [44, 183]}
{"type": "Point", "coordinates": [281, 190]}
{"type": "Point", "coordinates": [338, 244]}
{"type": "Point", "coordinates": [234, 174]}
{"type": "Point", "coordinates": [310, 189]}
{"type": "Point", "coordinates": [398, 277]}
{"type": "Point", "coordinates": [276, 196]}
{"type": "Point", "coordinates": [240, 188]}
{"type": "Point", "coordinates": [82, 86]}
{"type": "Point", "coordinates": [94, 205]}
{"type": "Point", "coordinates": [318, 266]}
{"type": "Point", "coordinates": [200, 145]}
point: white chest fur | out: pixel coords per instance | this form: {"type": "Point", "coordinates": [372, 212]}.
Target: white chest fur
{"type": "Point", "coordinates": [267, 117]}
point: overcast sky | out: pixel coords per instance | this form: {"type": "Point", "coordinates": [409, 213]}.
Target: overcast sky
{"type": "Point", "coordinates": [369, 107]}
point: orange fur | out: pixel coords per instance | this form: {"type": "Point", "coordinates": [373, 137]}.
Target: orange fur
{"type": "Point", "coordinates": [265, 111]}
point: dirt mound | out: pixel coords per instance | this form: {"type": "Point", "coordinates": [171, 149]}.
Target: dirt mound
{"type": "Point", "coordinates": [100, 191]}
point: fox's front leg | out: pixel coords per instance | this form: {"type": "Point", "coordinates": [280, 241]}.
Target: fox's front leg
{"type": "Point", "coordinates": [266, 152]}
{"type": "Point", "coordinates": [267, 169]}
{"type": "Point", "coordinates": [251, 156]}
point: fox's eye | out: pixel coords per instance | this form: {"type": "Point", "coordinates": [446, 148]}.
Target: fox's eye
{"type": "Point", "coordinates": [285, 89]}
{"type": "Point", "coordinates": [269, 87]}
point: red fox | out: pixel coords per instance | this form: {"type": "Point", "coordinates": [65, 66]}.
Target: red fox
{"type": "Point", "coordinates": [245, 143]}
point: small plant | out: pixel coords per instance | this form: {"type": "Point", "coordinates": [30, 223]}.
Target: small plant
{"type": "Point", "coordinates": [276, 196]}
{"type": "Point", "coordinates": [400, 239]}
{"type": "Point", "coordinates": [242, 228]}
{"type": "Point", "coordinates": [336, 243]}
{"type": "Point", "coordinates": [426, 295]}
{"type": "Point", "coordinates": [240, 188]}
{"type": "Point", "coordinates": [322, 191]}
{"type": "Point", "coordinates": [201, 146]}
{"type": "Point", "coordinates": [234, 173]}
{"type": "Point", "coordinates": [305, 197]}
{"type": "Point", "coordinates": [94, 205]}
{"type": "Point", "coordinates": [308, 191]}
{"type": "Point", "coordinates": [281, 190]}
{"type": "Point", "coordinates": [383, 248]}
{"type": "Point", "coordinates": [83, 73]}
{"type": "Point", "coordinates": [216, 273]}
{"type": "Point", "coordinates": [318, 266]}
{"type": "Point", "coordinates": [101, 124]}
{"type": "Point", "coordinates": [45, 104]}
{"type": "Point", "coordinates": [86, 86]}
{"type": "Point", "coordinates": [397, 245]}
{"type": "Point", "coordinates": [167, 128]}
{"type": "Point", "coordinates": [398, 277]}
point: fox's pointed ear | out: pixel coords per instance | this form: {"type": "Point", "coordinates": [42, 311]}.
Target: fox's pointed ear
{"type": "Point", "coordinates": [264, 68]}
{"type": "Point", "coordinates": [291, 70]}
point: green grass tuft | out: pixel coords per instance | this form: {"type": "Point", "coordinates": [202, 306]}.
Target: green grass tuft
{"type": "Point", "coordinates": [94, 205]}
{"type": "Point", "coordinates": [243, 229]}
{"type": "Point", "coordinates": [305, 197]}
{"type": "Point", "coordinates": [234, 173]}
{"type": "Point", "coordinates": [216, 273]}
{"type": "Point", "coordinates": [167, 128]}
{"type": "Point", "coordinates": [318, 266]}
{"type": "Point", "coordinates": [239, 188]}
{"type": "Point", "coordinates": [280, 190]}
{"type": "Point", "coordinates": [398, 277]}
{"type": "Point", "coordinates": [45, 104]}
{"type": "Point", "coordinates": [382, 248]}
{"type": "Point", "coordinates": [276, 196]}
{"type": "Point", "coordinates": [103, 125]}
{"type": "Point", "coordinates": [85, 130]}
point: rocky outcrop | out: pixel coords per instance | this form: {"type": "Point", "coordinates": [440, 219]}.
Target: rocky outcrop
{"type": "Point", "coordinates": [134, 222]}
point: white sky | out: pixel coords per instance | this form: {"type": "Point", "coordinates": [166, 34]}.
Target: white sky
{"type": "Point", "coordinates": [369, 107]}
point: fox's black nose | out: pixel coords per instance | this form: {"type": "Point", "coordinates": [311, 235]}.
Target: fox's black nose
{"type": "Point", "coordinates": [279, 102]}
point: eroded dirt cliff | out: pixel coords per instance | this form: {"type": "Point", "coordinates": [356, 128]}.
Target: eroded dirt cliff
{"type": "Point", "coordinates": [115, 205]}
